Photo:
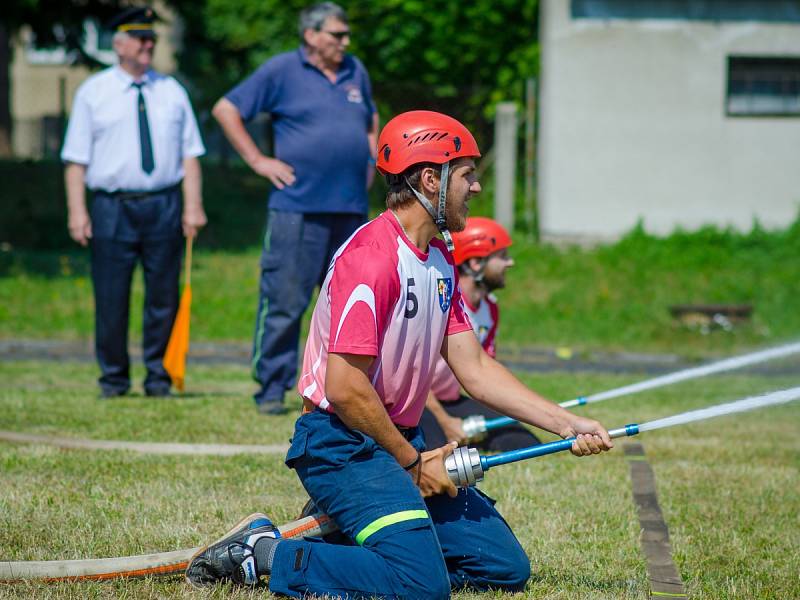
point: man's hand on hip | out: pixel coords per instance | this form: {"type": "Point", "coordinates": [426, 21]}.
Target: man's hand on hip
{"type": "Point", "coordinates": [433, 479]}
{"type": "Point", "coordinates": [277, 171]}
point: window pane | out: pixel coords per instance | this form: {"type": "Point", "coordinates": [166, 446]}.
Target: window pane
{"type": "Point", "coordinates": [763, 85]}
{"type": "Point", "coordinates": [704, 10]}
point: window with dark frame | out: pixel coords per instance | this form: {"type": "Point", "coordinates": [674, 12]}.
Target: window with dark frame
{"type": "Point", "coordinates": [761, 86]}
{"type": "Point", "coordinates": [777, 11]}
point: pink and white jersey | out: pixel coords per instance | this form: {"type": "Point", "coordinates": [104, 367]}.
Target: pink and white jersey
{"type": "Point", "coordinates": [385, 298]}
{"type": "Point", "coordinates": [484, 323]}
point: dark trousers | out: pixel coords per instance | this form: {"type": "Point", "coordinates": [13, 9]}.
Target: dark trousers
{"type": "Point", "coordinates": [125, 232]}
{"type": "Point", "coordinates": [400, 545]}
{"type": "Point", "coordinates": [297, 250]}
{"type": "Point", "coordinates": [511, 437]}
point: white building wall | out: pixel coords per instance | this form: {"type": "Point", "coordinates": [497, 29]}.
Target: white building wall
{"type": "Point", "coordinates": [633, 126]}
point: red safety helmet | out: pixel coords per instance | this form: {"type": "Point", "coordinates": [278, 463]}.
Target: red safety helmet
{"type": "Point", "coordinates": [480, 238]}
{"type": "Point", "coordinates": [422, 136]}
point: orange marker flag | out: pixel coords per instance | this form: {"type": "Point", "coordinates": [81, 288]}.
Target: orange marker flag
{"type": "Point", "coordinates": [178, 345]}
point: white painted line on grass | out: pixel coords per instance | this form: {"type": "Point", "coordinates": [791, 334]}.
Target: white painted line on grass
{"type": "Point", "coordinates": [143, 447]}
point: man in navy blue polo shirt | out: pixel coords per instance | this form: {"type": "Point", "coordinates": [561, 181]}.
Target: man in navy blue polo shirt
{"type": "Point", "coordinates": [324, 124]}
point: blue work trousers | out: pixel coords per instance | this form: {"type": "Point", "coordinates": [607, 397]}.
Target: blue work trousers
{"type": "Point", "coordinates": [297, 250]}
{"type": "Point", "coordinates": [401, 545]}
{"type": "Point", "coordinates": [125, 232]}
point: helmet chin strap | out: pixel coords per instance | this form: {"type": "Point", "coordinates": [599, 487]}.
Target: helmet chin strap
{"type": "Point", "coordinates": [476, 274]}
{"type": "Point", "coordinates": [438, 215]}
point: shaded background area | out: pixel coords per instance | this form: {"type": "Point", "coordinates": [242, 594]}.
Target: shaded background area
{"type": "Point", "coordinates": [35, 213]}
{"type": "Point", "coordinates": [614, 296]}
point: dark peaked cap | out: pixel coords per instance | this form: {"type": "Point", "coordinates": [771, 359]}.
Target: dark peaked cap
{"type": "Point", "coordinates": [137, 20]}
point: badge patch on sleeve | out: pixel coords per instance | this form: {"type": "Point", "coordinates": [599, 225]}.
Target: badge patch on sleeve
{"type": "Point", "coordinates": [444, 289]}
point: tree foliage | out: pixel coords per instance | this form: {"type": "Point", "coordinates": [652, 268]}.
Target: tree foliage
{"type": "Point", "coordinates": [58, 22]}
{"type": "Point", "coordinates": [53, 22]}
{"type": "Point", "coordinates": [460, 58]}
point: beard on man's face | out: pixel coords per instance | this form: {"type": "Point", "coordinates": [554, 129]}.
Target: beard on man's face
{"type": "Point", "coordinates": [455, 214]}
{"type": "Point", "coordinates": [494, 281]}
{"type": "Point", "coordinates": [455, 222]}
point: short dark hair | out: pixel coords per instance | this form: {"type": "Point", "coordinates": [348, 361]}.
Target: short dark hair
{"type": "Point", "coordinates": [314, 16]}
{"type": "Point", "coordinates": [399, 193]}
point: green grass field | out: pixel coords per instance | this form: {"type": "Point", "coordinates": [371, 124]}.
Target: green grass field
{"type": "Point", "coordinates": [727, 487]}
{"type": "Point", "coordinates": [613, 297]}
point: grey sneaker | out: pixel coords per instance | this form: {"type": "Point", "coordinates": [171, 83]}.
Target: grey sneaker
{"type": "Point", "coordinates": [231, 558]}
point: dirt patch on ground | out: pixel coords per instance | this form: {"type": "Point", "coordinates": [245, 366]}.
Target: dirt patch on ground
{"type": "Point", "coordinates": [526, 359]}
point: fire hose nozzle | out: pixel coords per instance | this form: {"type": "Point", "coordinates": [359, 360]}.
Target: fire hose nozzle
{"type": "Point", "coordinates": [464, 467]}
{"type": "Point", "coordinates": [474, 427]}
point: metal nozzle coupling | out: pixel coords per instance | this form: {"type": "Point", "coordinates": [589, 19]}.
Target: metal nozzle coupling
{"type": "Point", "coordinates": [464, 467]}
{"type": "Point", "coordinates": [474, 427]}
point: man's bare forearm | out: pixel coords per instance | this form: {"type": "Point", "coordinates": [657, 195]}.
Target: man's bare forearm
{"type": "Point", "coordinates": [229, 118]}
{"type": "Point", "coordinates": [490, 383]}
{"type": "Point", "coordinates": [372, 136]}
{"type": "Point", "coordinates": [192, 183]}
{"type": "Point", "coordinates": [358, 406]}
{"type": "Point", "coordinates": [194, 217]}
{"type": "Point", "coordinates": [74, 178]}
{"type": "Point", "coordinates": [437, 410]}
{"type": "Point", "coordinates": [369, 417]}
{"type": "Point", "coordinates": [79, 223]}
{"type": "Point", "coordinates": [508, 396]}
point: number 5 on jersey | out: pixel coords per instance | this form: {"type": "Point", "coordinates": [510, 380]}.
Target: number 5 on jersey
{"type": "Point", "coordinates": [412, 304]}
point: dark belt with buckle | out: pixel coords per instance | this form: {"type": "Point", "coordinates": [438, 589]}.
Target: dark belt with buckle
{"type": "Point", "coordinates": [406, 432]}
{"type": "Point", "coordinates": [137, 194]}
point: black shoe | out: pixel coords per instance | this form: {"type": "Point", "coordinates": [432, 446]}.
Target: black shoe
{"type": "Point", "coordinates": [106, 392]}
{"type": "Point", "coordinates": [231, 557]}
{"type": "Point", "coordinates": [158, 392]}
{"type": "Point", "coordinates": [271, 407]}
{"type": "Point", "coordinates": [309, 508]}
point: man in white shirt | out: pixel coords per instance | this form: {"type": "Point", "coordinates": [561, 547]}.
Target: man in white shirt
{"type": "Point", "coordinates": [133, 141]}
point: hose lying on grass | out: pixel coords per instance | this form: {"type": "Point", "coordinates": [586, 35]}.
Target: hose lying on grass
{"type": "Point", "coordinates": [465, 467]}
{"type": "Point", "coordinates": [164, 563]}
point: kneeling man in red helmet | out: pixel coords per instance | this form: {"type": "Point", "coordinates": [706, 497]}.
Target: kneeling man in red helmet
{"type": "Point", "coordinates": [389, 306]}
{"type": "Point", "coordinates": [481, 256]}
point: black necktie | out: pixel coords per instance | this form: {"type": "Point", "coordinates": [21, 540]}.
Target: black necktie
{"type": "Point", "coordinates": [144, 132]}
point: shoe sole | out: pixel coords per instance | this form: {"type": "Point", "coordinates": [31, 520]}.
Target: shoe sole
{"type": "Point", "coordinates": [229, 533]}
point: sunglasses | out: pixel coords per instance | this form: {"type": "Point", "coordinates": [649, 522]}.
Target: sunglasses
{"type": "Point", "coordinates": [339, 35]}
{"type": "Point", "coordinates": [143, 38]}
